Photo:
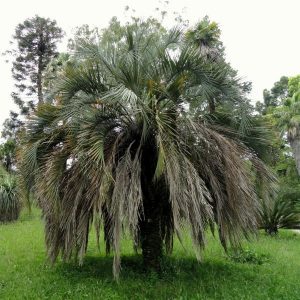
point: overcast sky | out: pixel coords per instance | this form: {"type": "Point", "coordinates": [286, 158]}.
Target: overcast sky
{"type": "Point", "coordinates": [261, 36]}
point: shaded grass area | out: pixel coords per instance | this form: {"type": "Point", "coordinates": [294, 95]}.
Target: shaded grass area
{"type": "Point", "coordinates": [26, 274]}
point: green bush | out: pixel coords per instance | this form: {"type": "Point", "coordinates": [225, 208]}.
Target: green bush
{"type": "Point", "coordinates": [247, 256]}
{"type": "Point", "coordinates": [283, 212]}
{"type": "Point", "coordinates": [10, 205]}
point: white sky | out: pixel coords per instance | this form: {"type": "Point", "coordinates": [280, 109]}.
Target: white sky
{"type": "Point", "coordinates": [261, 36]}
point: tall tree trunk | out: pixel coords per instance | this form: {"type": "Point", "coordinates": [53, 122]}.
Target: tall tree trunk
{"type": "Point", "coordinates": [39, 79]}
{"type": "Point", "coordinates": [295, 145]}
{"type": "Point", "coordinates": [151, 228]}
{"type": "Point", "coordinates": [151, 236]}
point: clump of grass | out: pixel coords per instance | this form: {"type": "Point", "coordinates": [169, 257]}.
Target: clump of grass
{"type": "Point", "coordinates": [247, 256]}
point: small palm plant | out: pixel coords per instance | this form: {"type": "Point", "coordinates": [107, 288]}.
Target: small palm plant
{"type": "Point", "coordinates": [119, 147]}
{"type": "Point", "coordinates": [283, 212]}
{"type": "Point", "coordinates": [9, 198]}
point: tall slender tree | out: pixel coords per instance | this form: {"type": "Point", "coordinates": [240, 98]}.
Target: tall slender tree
{"type": "Point", "coordinates": [36, 44]}
{"type": "Point", "coordinates": [289, 117]}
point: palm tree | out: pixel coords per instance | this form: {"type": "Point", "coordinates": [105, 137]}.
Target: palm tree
{"type": "Point", "coordinates": [120, 148]}
{"type": "Point", "coordinates": [289, 120]}
{"type": "Point", "coordinates": [10, 204]}
{"type": "Point", "coordinates": [206, 35]}
{"type": "Point", "coordinates": [282, 212]}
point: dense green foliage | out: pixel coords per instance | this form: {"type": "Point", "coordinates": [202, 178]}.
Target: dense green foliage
{"type": "Point", "coordinates": [8, 154]}
{"type": "Point", "coordinates": [281, 109]}
{"type": "Point", "coordinates": [10, 205]}
{"type": "Point", "coordinates": [271, 270]}
{"type": "Point", "coordinates": [288, 115]}
{"type": "Point", "coordinates": [277, 94]}
{"type": "Point", "coordinates": [11, 126]}
{"type": "Point", "coordinates": [282, 212]}
{"type": "Point", "coordinates": [283, 209]}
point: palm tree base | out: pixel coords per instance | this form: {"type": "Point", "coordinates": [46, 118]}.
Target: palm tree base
{"type": "Point", "coordinates": [151, 244]}
{"type": "Point", "coordinates": [151, 231]}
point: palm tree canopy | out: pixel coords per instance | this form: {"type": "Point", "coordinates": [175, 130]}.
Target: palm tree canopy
{"type": "Point", "coordinates": [288, 117]}
{"type": "Point", "coordinates": [121, 143]}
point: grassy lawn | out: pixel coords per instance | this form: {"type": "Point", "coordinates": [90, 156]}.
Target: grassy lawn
{"type": "Point", "coordinates": [273, 270]}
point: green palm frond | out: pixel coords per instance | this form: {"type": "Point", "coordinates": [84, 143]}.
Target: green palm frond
{"type": "Point", "coordinates": [10, 204]}
{"type": "Point", "coordinates": [280, 213]}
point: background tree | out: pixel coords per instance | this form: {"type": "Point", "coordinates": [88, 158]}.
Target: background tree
{"type": "Point", "coordinates": [36, 44]}
{"type": "Point", "coordinates": [8, 154]}
{"type": "Point", "coordinates": [274, 97]}
{"type": "Point", "coordinates": [83, 33]}
{"type": "Point", "coordinates": [11, 126]}
{"type": "Point", "coordinates": [288, 116]}
{"type": "Point", "coordinates": [206, 35]}
{"type": "Point", "coordinates": [282, 210]}
{"type": "Point", "coordinates": [56, 66]}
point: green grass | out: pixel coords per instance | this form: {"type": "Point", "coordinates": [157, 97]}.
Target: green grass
{"type": "Point", "coordinates": [268, 269]}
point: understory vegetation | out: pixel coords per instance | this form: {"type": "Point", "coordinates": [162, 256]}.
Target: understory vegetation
{"type": "Point", "coordinates": [10, 204]}
{"type": "Point", "coordinates": [267, 269]}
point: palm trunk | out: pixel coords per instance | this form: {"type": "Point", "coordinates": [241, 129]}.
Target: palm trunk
{"type": "Point", "coordinates": [151, 237]}
{"type": "Point", "coordinates": [39, 79]}
{"type": "Point", "coordinates": [295, 145]}
{"type": "Point", "coordinates": [272, 230]}
{"type": "Point", "coordinates": [151, 229]}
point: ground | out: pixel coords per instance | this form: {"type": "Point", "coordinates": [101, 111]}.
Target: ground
{"type": "Point", "coordinates": [269, 268]}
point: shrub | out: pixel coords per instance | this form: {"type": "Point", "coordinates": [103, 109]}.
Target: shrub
{"type": "Point", "coordinates": [247, 256]}
{"type": "Point", "coordinates": [283, 212]}
{"type": "Point", "coordinates": [9, 199]}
